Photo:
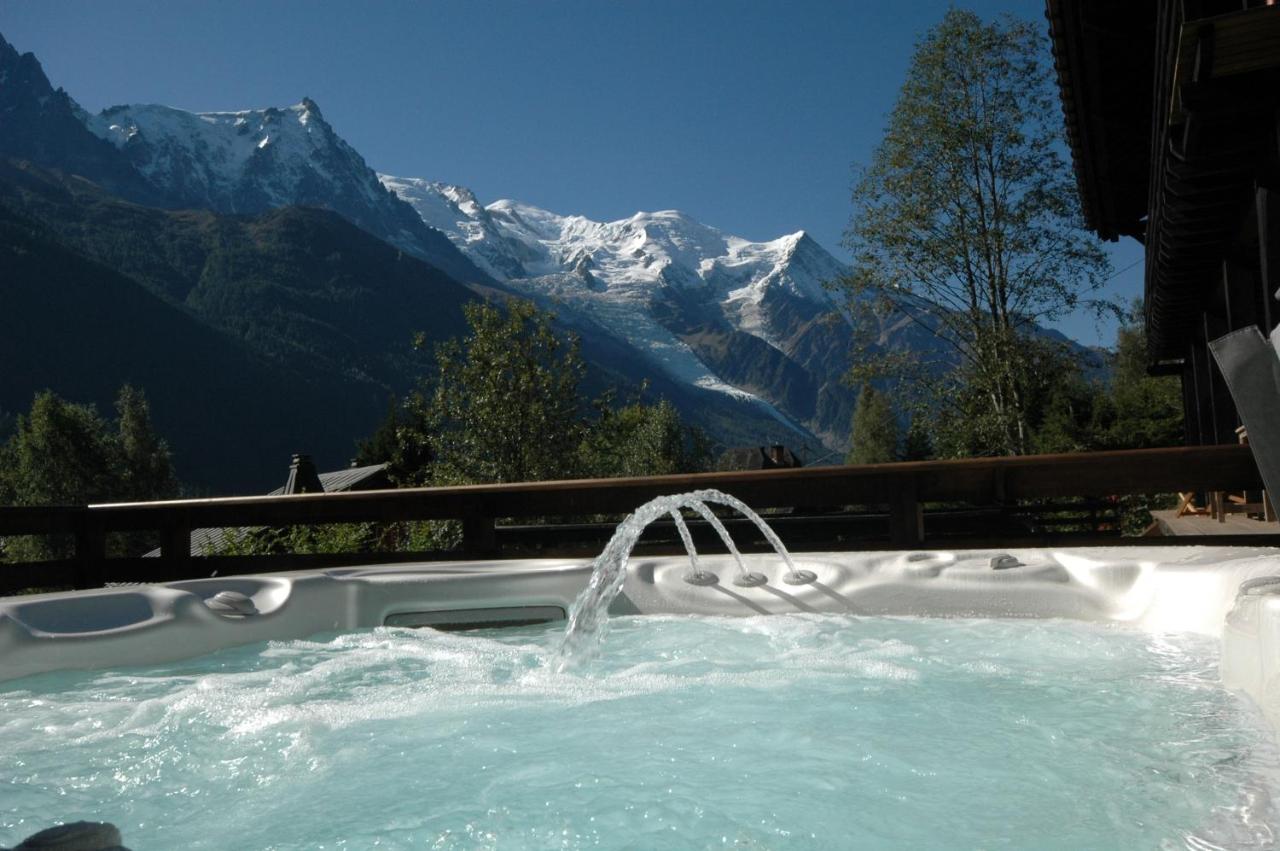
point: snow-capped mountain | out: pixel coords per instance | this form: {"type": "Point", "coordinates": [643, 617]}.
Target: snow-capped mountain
{"type": "Point", "coordinates": [740, 334]}
{"type": "Point", "coordinates": [752, 320]}
{"type": "Point", "coordinates": [629, 258]}
{"type": "Point", "coordinates": [256, 160]}
{"type": "Point", "coordinates": [43, 125]}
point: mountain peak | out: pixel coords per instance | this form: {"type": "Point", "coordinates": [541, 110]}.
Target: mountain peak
{"type": "Point", "coordinates": [308, 109]}
{"type": "Point", "coordinates": [44, 125]}
{"type": "Point", "coordinates": [22, 73]}
{"type": "Point", "coordinates": [664, 215]}
{"type": "Point", "coordinates": [8, 53]}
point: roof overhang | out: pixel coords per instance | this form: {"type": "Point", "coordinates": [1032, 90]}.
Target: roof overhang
{"type": "Point", "coordinates": [1104, 53]}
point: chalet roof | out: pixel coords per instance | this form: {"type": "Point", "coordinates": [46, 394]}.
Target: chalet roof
{"type": "Point", "coordinates": [371, 477]}
{"type": "Point", "coordinates": [1104, 54]}
{"type": "Point", "coordinates": [1166, 119]}
{"type": "Point", "coordinates": [350, 479]}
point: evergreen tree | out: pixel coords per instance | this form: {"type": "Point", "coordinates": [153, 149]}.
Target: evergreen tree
{"type": "Point", "coordinates": [1068, 420]}
{"type": "Point", "coordinates": [400, 443]}
{"type": "Point", "coordinates": [874, 435]}
{"type": "Point", "coordinates": [60, 454]}
{"type": "Point", "coordinates": [918, 443]}
{"type": "Point", "coordinates": [381, 446]}
{"type": "Point", "coordinates": [64, 453]}
{"type": "Point", "coordinates": [145, 464]}
{"type": "Point", "coordinates": [1146, 411]}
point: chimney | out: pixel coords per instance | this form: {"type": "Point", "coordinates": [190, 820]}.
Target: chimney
{"type": "Point", "coordinates": [303, 477]}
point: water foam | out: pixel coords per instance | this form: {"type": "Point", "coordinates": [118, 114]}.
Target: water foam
{"type": "Point", "coordinates": [677, 737]}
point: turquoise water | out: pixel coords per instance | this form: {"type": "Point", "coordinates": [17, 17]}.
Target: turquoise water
{"type": "Point", "coordinates": [801, 731]}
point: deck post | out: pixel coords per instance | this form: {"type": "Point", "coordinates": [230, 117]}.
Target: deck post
{"type": "Point", "coordinates": [906, 514]}
{"type": "Point", "coordinates": [479, 536]}
{"type": "Point", "coordinates": [175, 542]}
{"type": "Point", "coordinates": [91, 552]}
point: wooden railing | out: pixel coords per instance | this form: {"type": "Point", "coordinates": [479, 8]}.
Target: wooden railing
{"type": "Point", "coordinates": [960, 491]}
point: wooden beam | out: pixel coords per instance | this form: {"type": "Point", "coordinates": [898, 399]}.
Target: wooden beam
{"type": "Point", "coordinates": [905, 487]}
{"type": "Point", "coordinates": [1223, 46]}
{"type": "Point", "coordinates": [479, 536]}
{"type": "Point", "coordinates": [1190, 414]}
{"type": "Point", "coordinates": [1191, 419]}
{"type": "Point", "coordinates": [971, 479]}
{"type": "Point", "coordinates": [1266, 202]}
{"type": "Point", "coordinates": [906, 514]}
{"type": "Point", "coordinates": [91, 553]}
{"type": "Point", "coordinates": [175, 537]}
{"type": "Point", "coordinates": [1225, 417]}
{"type": "Point", "coordinates": [1203, 394]}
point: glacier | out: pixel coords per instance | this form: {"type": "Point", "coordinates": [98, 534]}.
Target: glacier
{"type": "Point", "coordinates": [617, 275]}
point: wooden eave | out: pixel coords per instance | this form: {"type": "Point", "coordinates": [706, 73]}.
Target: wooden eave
{"type": "Point", "coordinates": [1104, 55]}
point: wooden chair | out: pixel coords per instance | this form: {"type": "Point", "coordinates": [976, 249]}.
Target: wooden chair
{"type": "Point", "coordinates": [1187, 505]}
{"type": "Point", "coordinates": [1221, 503]}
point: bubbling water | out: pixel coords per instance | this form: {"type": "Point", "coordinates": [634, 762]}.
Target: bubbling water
{"type": "Point", "coordinates": [589, 614]}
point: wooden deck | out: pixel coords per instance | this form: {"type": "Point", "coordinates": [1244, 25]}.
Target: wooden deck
{"type": "Point", "coordinates": [1233, 524]}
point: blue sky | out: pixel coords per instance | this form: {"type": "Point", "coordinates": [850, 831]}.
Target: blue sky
{"type": "Point", "coordinates": [746, 115]}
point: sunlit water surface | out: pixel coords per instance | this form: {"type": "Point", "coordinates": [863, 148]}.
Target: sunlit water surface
{"type": "Point", "coordinates": [801, 731]}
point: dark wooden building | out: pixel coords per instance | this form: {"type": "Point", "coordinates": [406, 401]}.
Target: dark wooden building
{"type": "Point", "coordinates": [1171, 116]}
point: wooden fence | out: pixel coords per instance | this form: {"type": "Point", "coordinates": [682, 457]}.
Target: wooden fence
{"type": "Point", "coordinates": [970, 502]}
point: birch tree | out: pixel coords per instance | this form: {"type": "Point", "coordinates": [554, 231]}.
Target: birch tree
{"type": "Point", "coordinates": [966, 219]}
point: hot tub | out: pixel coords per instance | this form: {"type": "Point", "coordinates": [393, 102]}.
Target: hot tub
{"type": "Point", "coordinates": [1032, 698]}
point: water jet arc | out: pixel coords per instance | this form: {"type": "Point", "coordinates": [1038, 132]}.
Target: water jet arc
{"type": "Point", "coordinates": [588, 616]}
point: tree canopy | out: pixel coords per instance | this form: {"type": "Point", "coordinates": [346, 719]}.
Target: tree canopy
{"type": "Point", "coordinates": [66, 453]}
{"type": "Point", "coordinates": [966, 221]}
{"type": "Point", "coordinates": [640, 440]}
{"type": "Point", "coordinates": [874, 436]}
{"type": "Point", "coordinates": [504, 405]}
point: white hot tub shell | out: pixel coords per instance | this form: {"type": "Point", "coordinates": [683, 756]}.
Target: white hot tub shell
{"type": "Point", "coordinates": [1230, 592]}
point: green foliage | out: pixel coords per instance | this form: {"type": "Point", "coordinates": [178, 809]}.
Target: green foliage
{"type": "Point", "coordinates": [918, 443]}
{"type": "Point", "coordinates": [1132, 410]}
{"type": "Point", "coordinates": [874, 436]}
{"type": "Point", "coordinates": [327, 538]}
{"type": "Point", "coordinates": [411, 536]}
{"type": "Point", "coordinates": [1145, 411]}
{"type": "Point", "coordinates": [381, 446]}
{"type": "Point", "coordinates": [61, 454]}
{"type": "Point", "coordinates": [1069, 419]}
{"type": "Point", "coordinates": [145, 463]}
{"type": "Point", "coordinates": [401, 442]}
{"type": "Point", "coordinates": [64, 453]}
{"type": "Point", "coordinates": [504, 404]}
{"type": "Point", "coordinates": [969, 204]}
{"type": "Point", "coordinates": [1071, 412]}
{"type": "Point", "coordinates": [641, 440]}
